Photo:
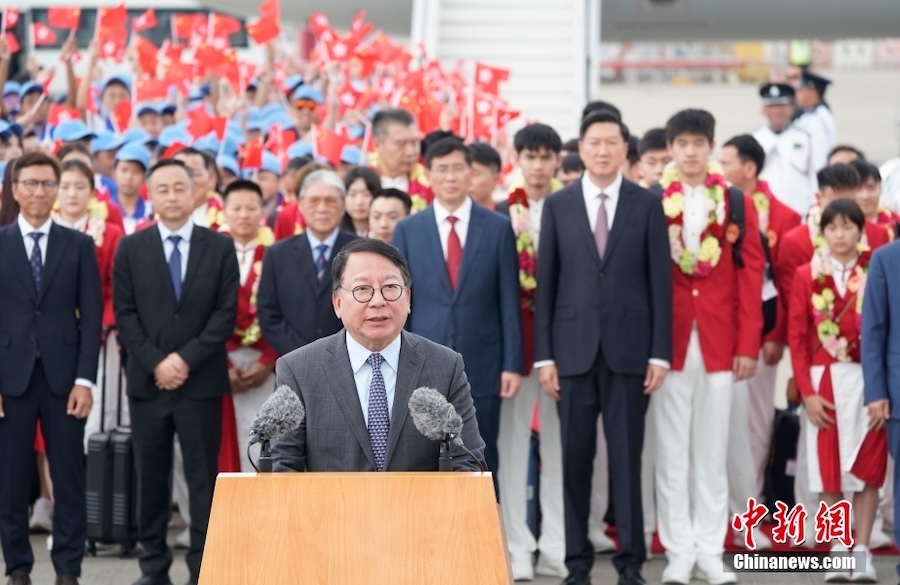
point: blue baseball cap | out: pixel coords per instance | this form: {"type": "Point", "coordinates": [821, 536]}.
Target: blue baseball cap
{"type": "Point", "coordinates": [351, 155]}
{"type": "Point", "coordinates": [292, 83]}
{"type": "Point", "coordinates": [270, 164]}
{"type": "Point", "coordinates": [30, 87]}
{"type": "Point", "coordinates": [11, 87]}
{"type": "Point", "coordinates": [281, 118]}
{"type": "Point", "coordinates": [7, 128]}
{"type": "Point", "coordinates": [138, 135]}
{"type": "Point", "coordinates": [122, 79]}
{"type": "Point", "coordinates": [168, 109]}
{"type": "Point", "coordinates": [356, 131]}
{"type": "Point", "coordinates": [147, 107]}
{"type": "Point", "coordinates": [257, 124]}
{"type": "Point", "coordinates": [208, 142]}
{"type": "Point", "coordinates": [270, 109]}
{"type": "Point", "coordinates": [173, 134]}
{"type": "Point", "coordinates": [300, 149]}
{"type": "Point", "coordinates": [106, 140]}
{"type": "Point", "coordinates": [229, 163]}
{"type": "Point", "coordinates": [72, 131]}
{"type": "Point", "coordinates": [308, 92]}
{"type": "Point", "coordinates": [134, 152]}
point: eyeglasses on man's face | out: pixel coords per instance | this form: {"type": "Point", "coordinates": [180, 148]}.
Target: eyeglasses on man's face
{"type": "Point", "coordinates": [31, 185]}
{"type": "Point", "coordinates": [364, 293]}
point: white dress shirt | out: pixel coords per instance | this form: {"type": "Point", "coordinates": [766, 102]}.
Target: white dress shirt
{"type": "Point", "coordinates": [463, 217]}
{"type": "Point", "coordinates": [841, 273]}
{"type": "Point", "coordinates": [592, 193]}
{"type": "Point", "coordinates": [535, 209]}
{"type": "Point", "coordinates": [199, 216]}
{"type": "Point", "coordinates": [401, 182]}
{"type": "Point", "coordinates": [184, 246]}
{"type": "Point", "coordinates": [79, 226]}
{"type": "Point", "coordinates": [27, 229]}
{"type": "Point", "coordinates": [789, 169]}
{"type": "Point", "coordinates": [245, 255]}
{"type": "Point", "coordinates": [315, 242]}
{"type": "Point", "coordinates": [362, 371]}
{"type": "Point", "coordinates": [696, 216]}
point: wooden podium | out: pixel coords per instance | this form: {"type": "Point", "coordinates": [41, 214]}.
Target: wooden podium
{"type": "Point", "coordinates": [355, 529]}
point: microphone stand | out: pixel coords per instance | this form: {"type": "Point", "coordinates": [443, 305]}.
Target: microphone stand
{"type": "Point", "coordinates": [445, 462]}
{"type": "Point", "coordinates": [265, 458]}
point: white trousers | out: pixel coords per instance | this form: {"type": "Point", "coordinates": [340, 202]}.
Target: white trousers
{"type": "Point", "coordinates": [691, 416]}
{"type": "Point", "coordinates": [513, 447]}
{"type": "Point", "coordinates": [247, 404]}
{"type": "Point", "coordinates": [108, 376]}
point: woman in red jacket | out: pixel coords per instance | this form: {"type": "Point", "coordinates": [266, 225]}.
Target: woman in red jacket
{"type": "Point", "coordinates": [845, 453]}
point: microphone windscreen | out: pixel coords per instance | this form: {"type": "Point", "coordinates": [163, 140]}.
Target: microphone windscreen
{"type": "Point", "coordinates": [281, 413]}
{"type": "Point", "coordinates": [432, 415]}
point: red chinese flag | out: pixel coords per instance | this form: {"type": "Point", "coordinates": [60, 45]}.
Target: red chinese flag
{"type": "Point", "coordinates": [146, 21]}
{"type": "Point", "coordinates": [263, 30]}
{"type": "Point", "coordinates": [66, 18]}
{"type": "Point", "coordinates": [251, 157]}
{"type": "Point", "coordinates": [487, 78]}
{"type": "Point", "coordinates": [185, 25]}
{"type": "Point", "coordinates": [112, 43]}
{"type": "Point", "coordinates": [224, 25]}
{"type": "Point", "coordinates": [60, 113]}
{"type": "Point", "coordinates": [114, 16]}
{"type": "Point", "coordinates": [218, 125]}
{"type": "Point", "coordinates": [230, 70]}
{"type": "Point", "coordinates": [147, 55]}
{"type": "Point", "coordinates": [174, 149]}
{"type": "Point", "coordinates": [318, 23]}
{"type": "Point", "coordinates": [43, 34]}
{"type": "Point", "coordinates": [207, 57]}
{"type": "Point", "coordinates": [122, 115]}
{"type": "Point", "coordinates": [270, 9]}
{"type": "Point", "coordinates": [329, 145]}
{"type": "Point", "coordinates": [10, 17]}
{"type": "Point", "coordinates": [12, 42]}
{"type": "Point", "coordinates": [170, 51]}
{"type": "Point", "coordinates": [200, 123]}
{"type": "Point", "coordinates": [359, 28]}
{"type": "Point", "coordinates": [150, 89]}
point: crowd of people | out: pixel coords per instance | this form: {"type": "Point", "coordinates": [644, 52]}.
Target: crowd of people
{"type": "Point", "coordinates": [630, 297]}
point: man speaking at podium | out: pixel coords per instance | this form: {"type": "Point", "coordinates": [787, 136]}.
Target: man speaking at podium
{"type": "Point", "coordinates": [356, 384]}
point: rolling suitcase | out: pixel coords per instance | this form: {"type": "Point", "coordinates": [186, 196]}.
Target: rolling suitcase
{"type": "Point", "coordinates": [111, 482]}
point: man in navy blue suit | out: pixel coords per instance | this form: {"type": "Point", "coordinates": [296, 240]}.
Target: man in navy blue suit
{"type": "Point", "coordinates": [464, 263]}
{"type": "Point", "coordinates": [881, 353]}
{"type": "Point", "coordinates": [49, 345]}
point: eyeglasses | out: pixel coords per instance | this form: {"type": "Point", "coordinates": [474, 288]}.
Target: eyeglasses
{"type": "Point", "coordinates": [31, 185]}
{"type": "Point", "coordinates": [365, 293]}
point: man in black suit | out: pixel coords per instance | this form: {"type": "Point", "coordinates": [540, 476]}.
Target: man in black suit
{"type": "Point", "coordinates": [294, 297]}
{"type": "Point", "coordinates": [603, 334]}
{"type": "Point", "coordinates": [175, 290]}
{"type": "Point", "coordinates": [50, 317]}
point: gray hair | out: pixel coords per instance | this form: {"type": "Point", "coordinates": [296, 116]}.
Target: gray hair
{"type": "Point", "coordinates": [330, 178]}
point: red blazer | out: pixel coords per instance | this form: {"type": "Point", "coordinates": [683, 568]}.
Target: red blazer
{"type": "Point", "coordinates": [289, 221]}
{"type": "Point", "coordinates": [114, 216]}
{"type": "Point", "coordinates": [797, 249]}
{"type": "Point", "coordinates": [246, 315]}
{"type": "Point", "coordinates": [782, 219]}
{"type": "Point", "coordinates": [725, 305]}
{"type": "Point", "coordinates": [803, 341]}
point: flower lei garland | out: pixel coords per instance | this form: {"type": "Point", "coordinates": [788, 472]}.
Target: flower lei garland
{"type": "Point", "coordinates": [265, 237]}
{"type": "Point", "coordinates": [889, 220]}
{"type": "Point", "coordinates": [215, 211]}
{"type": "Point", "coordinates": [762, 201]}
{"type": "Point", "coordinates": [98, 213]}
{"type": "Point", "coordinates": [702, 263]}
{"type": "Point", "coordinates": [823, 300]}
{"type": "Point", "coordinates": [521, 224]}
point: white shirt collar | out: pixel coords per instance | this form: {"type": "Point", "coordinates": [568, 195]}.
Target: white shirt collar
{"type": "Point", "coordinates": [592, 190]}
{"type": "Point", "coordinates": [329, 241]}
{"type": "Point", "coordinates": [251, 245]}
{"type": "Point", "coordinates": [184, 231]}
{"type": "Point", "coordinates": [26, 228]}
{"type": "Point", "coordinates": [359, 354]}
{"type": "Point", "coordinates": [840, 266]}
{"type": "Point", "coordinates": [463, 213]}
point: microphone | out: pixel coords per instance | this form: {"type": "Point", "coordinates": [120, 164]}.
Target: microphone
{"type": "Point", "coordinates": [438, 420]}
{"type": "Point", "coordinates": [281, 413]}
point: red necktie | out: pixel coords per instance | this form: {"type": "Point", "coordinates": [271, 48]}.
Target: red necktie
{"type": "Point", "coordinates": [454, 252]}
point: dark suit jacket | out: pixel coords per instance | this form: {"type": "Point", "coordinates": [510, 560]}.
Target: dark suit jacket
{"type": "Point", "coordinates": [621, 305]}
{"type": "Point", "coordinates": [152, 324]}
{"type": "Point", "coordinates": [62, 319]}
{"type": "Point", "coordinates": [334, 436]}
{"type": "Point", "coordinates": [880, 352]}
{"type": "Point", "coordinates": [294, 307]}
{"type": "Point", "coordinates": [480, 319]}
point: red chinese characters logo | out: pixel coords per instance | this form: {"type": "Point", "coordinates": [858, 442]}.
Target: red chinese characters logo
{"type": "Point", "coordinates": [832, 523]}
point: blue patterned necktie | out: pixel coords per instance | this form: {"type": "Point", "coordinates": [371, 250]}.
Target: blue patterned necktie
{"type": "Point", "coordinates": [379, 419]}
{"type": "Point", "coordinates": [37, 262]}
{"type": "Point", "coordinates": [321, 261]}
{"type": "Point", "coordinates": [175, 266]}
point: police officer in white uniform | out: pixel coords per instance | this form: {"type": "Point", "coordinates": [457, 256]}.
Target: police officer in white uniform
{"type": "Point", "coordinates": [816, 118]}
{"type": "Point", "coordinates": [789, 168]}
